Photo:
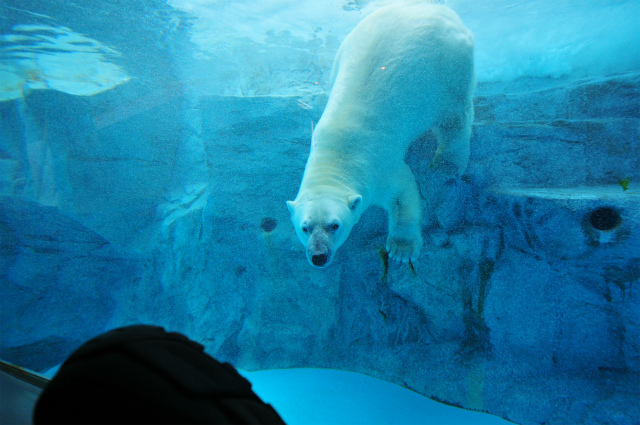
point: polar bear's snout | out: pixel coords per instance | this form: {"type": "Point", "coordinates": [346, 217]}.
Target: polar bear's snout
{"type": "Point", "coordinates": [321, 260]}
{"type": "Point", "coordinates": [318, 252]}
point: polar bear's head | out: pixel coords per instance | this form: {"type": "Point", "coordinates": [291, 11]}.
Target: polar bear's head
{"type": "Point", "coordinates": [323, 224]}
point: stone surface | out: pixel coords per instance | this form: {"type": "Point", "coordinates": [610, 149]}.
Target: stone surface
{"type": "Point", "coordinates": [58, 281]}
{"type": "Point", "coordinates": [517, 306]}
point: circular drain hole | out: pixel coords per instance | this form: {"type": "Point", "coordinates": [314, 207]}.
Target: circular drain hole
{"type": "Point", "coordinates": [605, 218]}
{"type": "Point", "coordinates": [268, 224]}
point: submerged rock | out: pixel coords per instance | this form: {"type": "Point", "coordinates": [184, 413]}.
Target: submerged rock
{"type": "Point", "coordinates": [519, 304]}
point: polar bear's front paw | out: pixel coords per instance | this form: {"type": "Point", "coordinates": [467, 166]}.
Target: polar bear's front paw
{"type": "Point", "coordinates": [403, 248]}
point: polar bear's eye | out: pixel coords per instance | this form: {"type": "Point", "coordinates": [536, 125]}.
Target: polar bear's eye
{"type": "Point", "coordinates": [305, 229]}
{"type": "Point", "coordinates": [335, 227]}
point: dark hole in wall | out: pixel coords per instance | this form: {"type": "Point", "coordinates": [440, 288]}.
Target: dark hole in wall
{"type": "Point", "coordinates": [605, 218]}
{"type": "Point", "coordinates": [268, 224]}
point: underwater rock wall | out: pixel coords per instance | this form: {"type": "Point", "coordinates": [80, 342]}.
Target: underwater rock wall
{"type": "Point", "coordinates": [519, 304]}
{"type": "Point", "coordinates": [524, 302]}
{"type": "Point", "coordinates": [57, 283]}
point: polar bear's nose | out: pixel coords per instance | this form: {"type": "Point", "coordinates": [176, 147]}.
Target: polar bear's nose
{"type": "Point", "coordinates": [319, 260]}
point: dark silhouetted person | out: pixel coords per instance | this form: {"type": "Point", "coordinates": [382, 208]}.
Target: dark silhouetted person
{"type": "Point", "coordinates": [142, 374]}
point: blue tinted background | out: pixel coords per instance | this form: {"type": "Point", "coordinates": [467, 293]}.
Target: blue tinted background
{"type": "Point", "coordinates": [144, 166]}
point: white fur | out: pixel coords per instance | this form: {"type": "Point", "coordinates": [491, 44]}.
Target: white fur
{"type": "Point", "coordinates": [405, 69]}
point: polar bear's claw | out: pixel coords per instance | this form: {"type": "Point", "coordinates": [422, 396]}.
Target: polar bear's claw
{"type": "Point", "coordinates": [404, 250]}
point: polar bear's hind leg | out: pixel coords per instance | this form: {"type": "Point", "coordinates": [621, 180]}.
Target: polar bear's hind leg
{"type": "Point", "coordinates": [453, 134]}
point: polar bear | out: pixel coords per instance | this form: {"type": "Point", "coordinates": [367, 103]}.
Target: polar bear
{"type": "Point", "coordinates": [405, 69]}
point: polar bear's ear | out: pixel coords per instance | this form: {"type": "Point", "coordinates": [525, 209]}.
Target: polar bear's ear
{"type": "Point", "coordinates": [291, 206]}
{"type": "Point", "coordinates": [353, 201]}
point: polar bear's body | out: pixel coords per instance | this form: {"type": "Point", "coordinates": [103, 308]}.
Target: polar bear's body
{"type": "Point", "coordinates": [405, 69]}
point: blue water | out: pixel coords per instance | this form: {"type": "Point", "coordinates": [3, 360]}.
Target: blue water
{"type": "Point", "coordinates": [147, 151]}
